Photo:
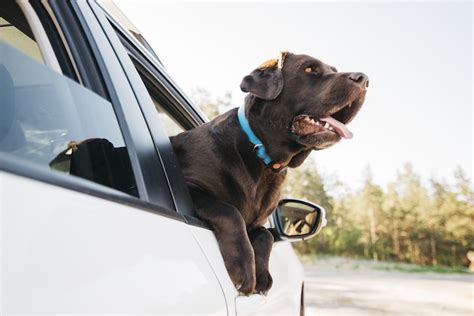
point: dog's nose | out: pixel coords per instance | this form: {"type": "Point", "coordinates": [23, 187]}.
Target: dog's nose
{"type": "Point", "coordinates": [360, 78]}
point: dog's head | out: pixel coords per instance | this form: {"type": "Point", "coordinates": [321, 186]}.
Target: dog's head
{"type": "Point", "coordinates": [299, 99]}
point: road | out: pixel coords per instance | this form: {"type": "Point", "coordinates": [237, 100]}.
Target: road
{"type": "Point", "coordinates": [337, 286]}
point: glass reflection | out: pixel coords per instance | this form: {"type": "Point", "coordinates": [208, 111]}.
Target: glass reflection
{"type": "Point", "coordinates": [55, 123]}
{"type": "Point", "coordinates": [297, 219]}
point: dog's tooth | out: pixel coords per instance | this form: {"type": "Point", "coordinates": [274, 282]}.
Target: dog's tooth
{"type": "Point", "coordinates": [327, 125]}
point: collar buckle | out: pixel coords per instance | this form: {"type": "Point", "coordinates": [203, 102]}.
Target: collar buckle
{"type": "Point", "coordinates": [257, 146]}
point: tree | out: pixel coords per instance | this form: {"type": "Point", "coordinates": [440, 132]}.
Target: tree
{"type": "Point", "coordinates": [208, 105]}
{"type": "Point", "coordinates": [393, 216]}
{"type": "Point", "coordinates": [369, 206]}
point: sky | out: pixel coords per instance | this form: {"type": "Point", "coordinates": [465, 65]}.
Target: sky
{"type": "Point", "coordinates": [418, 56]}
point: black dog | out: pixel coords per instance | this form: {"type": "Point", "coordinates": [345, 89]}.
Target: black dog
{"type": "Point", "coordinates": [235, 165]}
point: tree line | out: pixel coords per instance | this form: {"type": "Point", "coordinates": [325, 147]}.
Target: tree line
{"type": "Point", "coordinates": [405, 221]}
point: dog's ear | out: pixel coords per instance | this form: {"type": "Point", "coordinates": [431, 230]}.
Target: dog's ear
{"type": "Point", "coordinates": [265, 82]}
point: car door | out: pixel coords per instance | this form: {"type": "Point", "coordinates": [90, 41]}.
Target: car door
{"type": "Point", "coordinates": [162, 100]}
{"type": "Point", "coordinates": [88, 220]}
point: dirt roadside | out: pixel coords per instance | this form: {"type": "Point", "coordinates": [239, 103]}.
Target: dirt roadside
{"type": "Point", "coordinates": [337, 286]}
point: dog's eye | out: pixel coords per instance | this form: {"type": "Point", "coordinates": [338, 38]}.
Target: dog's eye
{"type": "Point", "coordinates": [311, 70]}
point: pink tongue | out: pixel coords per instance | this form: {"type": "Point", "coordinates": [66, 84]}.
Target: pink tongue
{"type": "Point", "coordinates": [340, 128]}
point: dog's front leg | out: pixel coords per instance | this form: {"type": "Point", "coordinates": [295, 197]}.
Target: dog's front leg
{"type": "Point", "coordinates": [231, 234]}
{"type": "Point", "coordinates": [262, 242]}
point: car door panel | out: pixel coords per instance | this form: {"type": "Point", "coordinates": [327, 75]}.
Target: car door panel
{"type": "Point", "coordinates": [208, 243]}
{"type": "Point", "coordinates": [63, 251]}
{"type": "Point", "coordinates": [282, 299]}
{"type": "Point", "coordinates": [286, 271]}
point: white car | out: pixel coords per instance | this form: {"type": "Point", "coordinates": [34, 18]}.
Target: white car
{"type": "Point", "coordinates": [95, 215]}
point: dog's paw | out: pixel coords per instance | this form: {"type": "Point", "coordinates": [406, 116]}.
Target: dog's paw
{"type": "Point", "coordinates": [246, 287]}
{"type": "Point", "coordinates": [264, 282]}
{"type": "Point", "coordinates": [243, 278]}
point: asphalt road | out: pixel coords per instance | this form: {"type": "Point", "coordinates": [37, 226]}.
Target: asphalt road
{"type": "Point", "coordinates": [338, 286]}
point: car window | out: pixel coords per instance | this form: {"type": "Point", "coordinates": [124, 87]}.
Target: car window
{"type": "Point", "coordinates": [51, 121]}
{"type": "Point", "coordinates": [171, 125]}
{"type": "Point", "coordinates": [15, 30]}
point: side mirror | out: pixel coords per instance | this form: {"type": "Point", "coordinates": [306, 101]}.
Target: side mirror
{"type": "Point", "coordinates": [298, 220]}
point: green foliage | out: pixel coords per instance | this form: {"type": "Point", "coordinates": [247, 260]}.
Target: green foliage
{"type": "Point", "coordinates": [405, 222]}
{"type": "Point", "coordinates": [208, 105]}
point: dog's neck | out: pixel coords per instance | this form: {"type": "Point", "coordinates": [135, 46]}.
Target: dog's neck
{"type": "Point", "coordinates": [282, 151]}
{"type": "Point", "coordinates": [258, 148]}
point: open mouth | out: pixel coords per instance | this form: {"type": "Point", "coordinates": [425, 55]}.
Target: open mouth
{"type": "Point", "coordinates": [332, 122]}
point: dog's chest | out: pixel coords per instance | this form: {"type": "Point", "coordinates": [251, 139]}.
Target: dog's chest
{"type": "Point", "coordinates": [263, 199]}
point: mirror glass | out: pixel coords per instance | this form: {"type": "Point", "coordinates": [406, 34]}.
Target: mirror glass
{"type": "Point", "coordinates": [298, 219]}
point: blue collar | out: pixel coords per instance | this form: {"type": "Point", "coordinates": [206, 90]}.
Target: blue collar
{"type": "Point", "coordinates": [258, 144]}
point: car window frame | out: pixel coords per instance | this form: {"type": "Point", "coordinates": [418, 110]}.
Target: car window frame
{"type": "Point", "coordinates": [175, 110]}
{"type": "Point", "coordinates": [137, 62]}
{"type": "Point", "coordinates": [56, 40]}
{"type": "Point", "coordinates": [125, 99]}
{"type": "Point", "coordinates": [82, 35]}
{"type": "Point", "coordinates": [39, 34]}
{"type": "Point", "coordinates": [146, 105]}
